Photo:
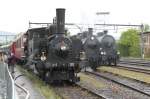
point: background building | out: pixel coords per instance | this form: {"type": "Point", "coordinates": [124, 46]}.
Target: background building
{"type": "Point", "coordinates": [146, 39]}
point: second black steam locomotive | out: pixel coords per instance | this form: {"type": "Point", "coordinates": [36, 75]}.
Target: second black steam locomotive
{"type": "Point", "coordinates": [91, 49]}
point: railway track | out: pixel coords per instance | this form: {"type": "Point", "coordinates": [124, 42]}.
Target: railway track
{"type": "Point", "coordinates": [97, 95]}
{"type": "Point", "coordinates": [139, 62]}
{"type": "Point", "coordinates": [133, 85]}
{"type": "Point", "coordinates": [81, 92]}
{"type": "Point", "coordinates": [92, 92]}
{"type": "Point", "coordinates": [134, 68]}
{"type": "Point", "coordinates": [137, 65]}
{"type": "Point", "coordinates": [76, 91]}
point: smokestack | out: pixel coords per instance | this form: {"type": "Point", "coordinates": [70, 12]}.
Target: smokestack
{"type": "Point", "coordinates": [60, 20]}
{"type": "Point", "coordinates": [90, 31]}
{"type": "Point", "coordinates": [105, 31]}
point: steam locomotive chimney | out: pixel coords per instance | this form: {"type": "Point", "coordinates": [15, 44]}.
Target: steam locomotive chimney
{"type": "Point", "coordinates": [60, 20]}
{"type": "Point", "coordinates": [90, 31]}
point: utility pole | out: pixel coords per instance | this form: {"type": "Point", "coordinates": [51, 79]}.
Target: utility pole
{"type": "Point", "coordinates": [142, 41]}
{"type": "Point", "coordinates": [6, 39]}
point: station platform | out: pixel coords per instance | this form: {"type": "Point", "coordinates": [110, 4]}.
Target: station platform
{"type": "Point", "coordinates": [28, 85]}
{"type": "Point", "coordinates": [3, 89]}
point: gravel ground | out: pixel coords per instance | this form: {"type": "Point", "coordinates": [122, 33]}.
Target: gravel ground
{"type": "Point", "coordinates": [74, 92]}
{"type": "Point", "coordinates": [26, 83]}
{"type": "Point", "coordinates": [2, 89]}
{"type": "Point", "coordinates": [113, 90]}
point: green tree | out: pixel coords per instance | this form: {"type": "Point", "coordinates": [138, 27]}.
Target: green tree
{"type": "Point", "coordinates": [129, 43]}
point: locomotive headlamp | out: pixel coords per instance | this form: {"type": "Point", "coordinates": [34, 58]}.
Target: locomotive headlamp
{"type": "Point", "coordinates": [102, 53]}
{"type": "Point", "coordinates": [43, 57]}
{"type": "Point", "coordinates": [63, 48]}
{"type": "Point", "coordinates": [92, 38]}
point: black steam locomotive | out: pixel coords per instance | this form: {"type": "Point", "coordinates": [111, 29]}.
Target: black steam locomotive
{"type": "Point", "coordinates": [55, 56]}
{"type": "Point", "coordinates": [91, 49]}
{"type": "Point", "coordinates": [108, 51]}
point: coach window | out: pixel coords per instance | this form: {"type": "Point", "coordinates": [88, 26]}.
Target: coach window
{"type": "Point", "coordinates": [34, 35]}
{"type": "Point", "coordinates": [30, 35]}
{"type": "Point", "coordinates": [42, 35]}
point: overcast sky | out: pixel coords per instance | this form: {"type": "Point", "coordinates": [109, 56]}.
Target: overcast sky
{"type": "Point", "coordinates": [15, 14]}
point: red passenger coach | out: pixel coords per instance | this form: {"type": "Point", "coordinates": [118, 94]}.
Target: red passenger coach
{"type": "Point", "coordinates": [13, 47]}
{"type": "Point", "coordinates": [17, 47]}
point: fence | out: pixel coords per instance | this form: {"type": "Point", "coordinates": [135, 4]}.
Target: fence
{"type": "Point", "coordinates": [6, 76]}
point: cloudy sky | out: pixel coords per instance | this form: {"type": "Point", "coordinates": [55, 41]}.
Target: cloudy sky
{"type": "Point", "coordinates": [15, 14]}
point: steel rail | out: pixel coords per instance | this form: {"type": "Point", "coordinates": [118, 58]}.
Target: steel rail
{"type": "Point", "coordinates": [92, 92]}
{"type": "Point", "coordinates": [135, 69]}
{"type": "Point", "coordinates": [115, 81]}
{"type": "Point", "coordinates": [139, 63]}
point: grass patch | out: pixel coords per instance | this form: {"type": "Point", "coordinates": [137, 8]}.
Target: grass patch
{"type": "Point", "coordinates": [126, 73]}
{"type": "Point", "coordinates": [46, 90]}
{"type": "Point", "coordinates": [146, 58]}
{"type": "Point", "coordinates": [91, 80]}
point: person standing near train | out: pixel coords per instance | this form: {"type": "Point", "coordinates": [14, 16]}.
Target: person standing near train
{"type": "Point", "coordinates": [11, 62]}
